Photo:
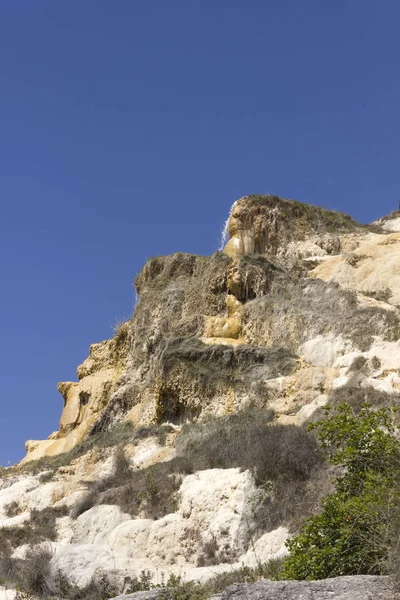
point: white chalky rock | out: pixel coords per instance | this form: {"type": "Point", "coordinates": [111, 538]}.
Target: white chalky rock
{"type": "Point", "coordinates": [269, 546]}
{"type": "Point", "coordinates": [7, 594]}
{"type": "Point", "coordinates": [308, 410]}
{"type": "Point", "coordinates": [16, 491]}
{"type": "Point", "coordinates": [323, 351]}
{"type": "Point", "coordinates": [392, 225]}
{"type": "Point", "coordinates": [346, 360]}
{"type": "Point", "coordinates": [94, 525]}
{"type": "Point", "coordinates": [387, 352]}
{"type": "Point", "coordinates": [16, 521]}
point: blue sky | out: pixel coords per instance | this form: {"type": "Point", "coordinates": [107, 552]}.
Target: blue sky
{"type": "Point", "coordinates": [127, 130]}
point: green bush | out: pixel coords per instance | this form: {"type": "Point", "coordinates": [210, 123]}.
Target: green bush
{"type": "Point", "coordinates": [357, 531]}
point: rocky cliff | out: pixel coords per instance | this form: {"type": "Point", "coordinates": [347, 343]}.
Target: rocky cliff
{"type": "Point", "coordinates": [295, 289]}
{"type": "Point", "coordinates": [299, 308]}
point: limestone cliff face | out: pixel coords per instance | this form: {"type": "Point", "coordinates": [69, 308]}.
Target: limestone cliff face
{"type": "Point", "coordinates": [85, 400]}
{"type": "Point", "coordinates": [299, 309]}
{"type": "Point", "coordinates": [267, 322]}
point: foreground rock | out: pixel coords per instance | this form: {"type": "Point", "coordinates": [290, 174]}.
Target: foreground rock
{"type": "Point", "coordinates": [361, 587]}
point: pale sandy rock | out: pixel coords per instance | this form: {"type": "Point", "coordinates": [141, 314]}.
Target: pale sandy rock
{"type": "Point", "coordinates": [391, 225]}
{"type": "Point", "coordinates": [215, 503]}
{"type": "Point", "coordinates": [373, 267]}
{"type": "Point", "coordinates": [323, 351]}
{"type": "Point", "coordinates": [72, 498]}
{"type": "Point", "coordinates": [79, 562]}
{"type": "Point", "coordinates": [340, 381]}
{"type": "Point", "coordinates": [387, 352]}
{"type": "Point", "coordinates": [94, 525]}
{"type": "Point", "coordinates": [43, 496]}
{"type": "Point", "coordinates": [100, 357]}
{"type": "Point", "coordinates": [309, 409]}
{"type": "Point", "coordinates": [130, 538]}
{"type": "Point", "coordinates": [6, 593]}
{"type": "Point", "coordinates": [346, 360]}
{"type": "Point", "coordinates": [148, 451]}
{"type": "Point", "coordinates": [16, 491]}
{"type": "Point", "coordinates": [193, 298]}
{"type": "Point", "coordinates": [16, 521]}
{"type": "Point", "coordinates": [306, 249]}
{"type": "Point", "coordinates": [166, 541]}
{"type": "Point", "coordinates": [269, 546]}
{"type": "Point", "coordinates": [389, 384]}
{"type": "Point", "coordinates": [65, 530]}
{"type": "Point", "coordinates": [84, 400]}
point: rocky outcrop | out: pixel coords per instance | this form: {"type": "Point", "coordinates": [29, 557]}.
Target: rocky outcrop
{"type": "Point", "coordinates": [299, 309]}
{"type": "Point", "coordinates": [285, 228]}
{"type": "Point", "coordinates": [295, 288]}
{"type": "Point", "coordinates": [213, 520]}
{"type": "Point", "coordinates": [341, 588]}
{"type": "Point", "coordinates": [361, 587]}
{"type": "Point", "coordinates": [85, 400]}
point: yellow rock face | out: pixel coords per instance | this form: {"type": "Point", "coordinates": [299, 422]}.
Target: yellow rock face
{"type": "Point", "coordinates": [225, 328]}
{"type": "Point", "coordinates": [373, 268]}
{"type": "Point", "coordinates": [241, 233]}
{"type": "Point", "coordinates": [83, 400]}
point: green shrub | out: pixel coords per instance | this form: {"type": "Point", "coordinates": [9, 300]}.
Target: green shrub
{"type": "Point", "coordinates": [357, 530]}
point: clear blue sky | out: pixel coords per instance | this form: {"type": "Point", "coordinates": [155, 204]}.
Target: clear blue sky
{"type": "Point", "coordinates": [128, 128]}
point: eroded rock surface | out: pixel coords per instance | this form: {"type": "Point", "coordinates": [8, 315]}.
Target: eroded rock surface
{"type": "Point", "coordinates": [298, 310]}
{"type": "Point", "coordinates": [291, 292]}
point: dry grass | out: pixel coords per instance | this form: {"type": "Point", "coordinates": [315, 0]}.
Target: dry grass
{"type": "Point", "coordinates": [41, 527]}
{"type": "Point", "coordinates": [282, 458]}
{"type": "Point", "coordinates": [121, 434]}
{"type": "Point", "coordinates": [149, 492]}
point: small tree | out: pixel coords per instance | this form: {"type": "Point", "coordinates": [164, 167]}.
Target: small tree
{"type": "Point", "coordinates": [357, 530]}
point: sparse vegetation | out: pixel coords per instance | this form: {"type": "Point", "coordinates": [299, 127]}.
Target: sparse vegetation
{"type": "Point", "coordinates": [317, 218]}
{"type": "Point", "coordinates": [293, 307]}
{"type": "Point", "coordinates": [248, 440]}
{"type": "Point", "coordinates": [149, 491]}
{"type": "Point", "coordinates": [121, 330]}
{"type": "Point", "coordinates": [121, 434]}
{"type": "Point", "coordinates": [40, 527]}
{"type": "Point", "coordinates": [356, 396]}
{"type": "Point", "coordinates": [381, 295]}
{"type": "Point", "coordinates": [36, 580]}
{"type": "Point", "coordinates": [12, 509]}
